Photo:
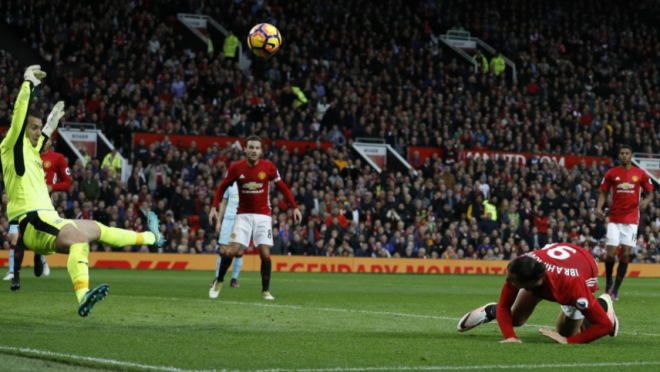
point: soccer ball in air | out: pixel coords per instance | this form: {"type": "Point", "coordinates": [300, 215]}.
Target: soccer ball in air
{"type": "Point", "coordinates": [264, 40]}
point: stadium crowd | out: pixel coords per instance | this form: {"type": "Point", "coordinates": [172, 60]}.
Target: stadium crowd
{"type": "Point", "coordinates": [583, 87]}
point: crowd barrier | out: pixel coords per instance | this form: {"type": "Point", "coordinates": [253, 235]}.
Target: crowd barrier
{"type": "Point", "coordinates": [310, 264]}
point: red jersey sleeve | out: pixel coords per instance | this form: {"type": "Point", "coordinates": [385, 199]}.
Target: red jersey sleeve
{"type": "Point", "coordinates": [606, 184]}
{"type": "Point", "coordinates": [63, 175]}
{"type": "Point", "coordinates": [646, 183]}
{"type": "Point", "coordinates": [504, 318]}
{"type": "Point", "coordinates": [274, 175]}
{"type": "Point", "coordinates": [228, 181]}
{"type": "Point", "coordinates": [600, 323]}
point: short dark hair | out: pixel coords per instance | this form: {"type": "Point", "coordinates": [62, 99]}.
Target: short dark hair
{"type": "Point", "coordinates": [527, 269]}
{"type": "Point", "coordinates": [35, 114]}
{"type": "Point", "coordinates": [625, 146]}
{"type": "Point", "coordinates": [253, 138]}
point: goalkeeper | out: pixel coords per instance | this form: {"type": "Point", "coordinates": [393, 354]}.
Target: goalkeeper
{"type": "Point", "coordinates": [43, 230]}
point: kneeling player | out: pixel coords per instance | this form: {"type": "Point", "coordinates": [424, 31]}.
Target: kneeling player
{"type": "Point", "coordinates": [563, 273]}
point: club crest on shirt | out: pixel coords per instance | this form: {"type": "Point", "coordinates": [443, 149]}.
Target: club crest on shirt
{"type": "Point", "coordinates": [47, 164]}
{"type": "Point", "coordinates": [233, 236]}
{"type": "Point", "coordinates": [635, 178]}
{"type": "Point", "coordinates": [262, 175]}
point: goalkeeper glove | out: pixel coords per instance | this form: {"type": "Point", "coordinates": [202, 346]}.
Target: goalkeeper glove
{"type": "Point", "coordinates": [53, 119]}
{"type": "Point", "coordinates": [34, 74]}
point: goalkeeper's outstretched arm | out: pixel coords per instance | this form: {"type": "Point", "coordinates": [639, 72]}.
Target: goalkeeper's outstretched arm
{"type": "Point", "coordinates": [32, 76]}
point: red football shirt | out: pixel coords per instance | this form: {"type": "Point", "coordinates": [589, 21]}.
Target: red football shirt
{"type": "Point", "coordinates": [625, 185]}
{"type": "Point", "coordinates": [253, 186]}
{"type": "Point", "coordinates": [56, 171]}
{"type": "Point", "coordinates": [571, 278]}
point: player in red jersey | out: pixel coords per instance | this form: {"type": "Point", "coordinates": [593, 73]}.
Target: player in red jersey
{"type": "Point", "coordinates": [625, 181]}
{"type": "Point", "coordinates": [56, 169]}
{"type": "Point", "coordinates": [58, 178]}
{"type": "Point", "coordinates": [563, 273]}
{"type": "Point", "coordinates": [253, 219]}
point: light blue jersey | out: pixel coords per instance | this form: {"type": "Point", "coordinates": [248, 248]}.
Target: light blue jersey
{"type": "Point", "coordinates": [230, 214]}
{"type": "Point", "coordinates": [232, 201]}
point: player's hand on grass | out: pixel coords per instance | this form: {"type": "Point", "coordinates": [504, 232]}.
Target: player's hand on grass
{"type": "Point", "coordinates": [600, 214]}
{"type": "Point", "coordinates": [553, 335]}
{"type": "Point", "coordinates": [34, 74]}
{"type": "Point", "coordinates": [511, 340]}
{"type": "Point", "coordinates": [297, 216]}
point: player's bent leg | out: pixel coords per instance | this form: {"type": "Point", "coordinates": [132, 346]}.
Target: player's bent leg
{"type": "Point", "coordinates": [477, 317]}
{"type": "Point", "coordinates": [568, 322]}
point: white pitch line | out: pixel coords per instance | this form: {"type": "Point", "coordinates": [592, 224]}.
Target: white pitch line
{"type": "Point", "coordinates": [114, 362]}
{"type": "Point", "coordinates": [93, 359]}
{"type": "Point", "coordinates": [463, 368]}
{"type": "Point", "coordinates": [339, 310]}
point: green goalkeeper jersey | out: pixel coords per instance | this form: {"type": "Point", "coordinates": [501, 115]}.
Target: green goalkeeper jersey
{"type": "Point", "coordinates": [21, 163]}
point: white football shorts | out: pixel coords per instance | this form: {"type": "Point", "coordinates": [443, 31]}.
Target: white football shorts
{"type": "Point", "coordinates": [618, 233]}
{"type": "Point", "coordinates": [572, 312]}
{"type": "Point", "coordinates": [259, 227]}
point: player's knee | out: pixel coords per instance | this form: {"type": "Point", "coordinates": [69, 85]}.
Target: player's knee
{"type": "Point", "coordinates": [519, 322]}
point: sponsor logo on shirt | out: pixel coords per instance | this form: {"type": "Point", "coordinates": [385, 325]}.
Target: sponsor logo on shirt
{"type": "Point", "coordinates": [241, 177]}
{"type": "Point", "coordinates": [252, 185]}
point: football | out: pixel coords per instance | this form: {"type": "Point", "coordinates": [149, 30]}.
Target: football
{"type": "Point", "coordinates": [264, 40]}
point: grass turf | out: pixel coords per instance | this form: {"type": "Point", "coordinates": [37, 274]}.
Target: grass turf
{"type": "Point", "coordinates": [343, 322]}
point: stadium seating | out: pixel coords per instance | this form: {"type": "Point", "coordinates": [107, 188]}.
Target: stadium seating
{"type": "Point", "coordinates": [584, 87]}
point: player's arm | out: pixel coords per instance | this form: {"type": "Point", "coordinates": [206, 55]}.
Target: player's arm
{"type": "Point", "coordinates": [63, 176]}
{"type": "Point", "coordinates": [230, 178]}
{"type": "Point", "coordinates": [600, 325]}
{"type": "Point", "coordinates": [602, 195]}
{"type": "Point", "coordinates": [275, 177]}
{"type": "Point", "coordinates": [503, 313]}
{"type": "Point", "coordinates": [647, 186]}
{"type": "Point", "coordinates": [32, 77]}
{"type": "Point", "coordinates": [19, 117]}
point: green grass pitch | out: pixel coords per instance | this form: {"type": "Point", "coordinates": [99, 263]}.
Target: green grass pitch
{"type": "Point", "coordinates": [164, 321]}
